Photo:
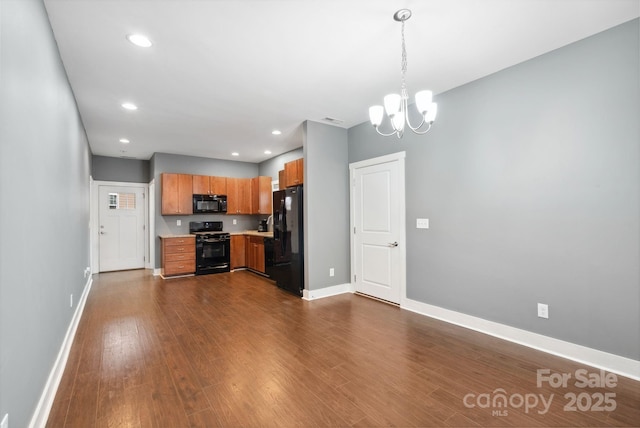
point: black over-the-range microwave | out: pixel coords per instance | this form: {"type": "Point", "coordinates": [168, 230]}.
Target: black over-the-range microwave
{"type": "Point", "coordinates": [209, 204]}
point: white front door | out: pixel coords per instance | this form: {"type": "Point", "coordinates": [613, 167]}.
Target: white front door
{"type": "Point", "coordinates": [121, 228]}
{"type": "Point", "coordinates": [378, 227]}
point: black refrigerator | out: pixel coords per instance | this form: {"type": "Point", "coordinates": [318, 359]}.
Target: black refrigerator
{"type": "Point", "coordinates": [284, 253]}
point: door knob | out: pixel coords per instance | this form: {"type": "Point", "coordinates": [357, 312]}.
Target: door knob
{"type": "Point", "coordinates": [102, 233]}
{"type": "Point", "coordinates": [393, 244]}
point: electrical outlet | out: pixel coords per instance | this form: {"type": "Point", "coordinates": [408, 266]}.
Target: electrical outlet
{"type": "Point", "coordinates": [178, 222]}
{"type": "Point", "coordinates": [543, 310]}
{"type": "Point", "coordinates": [71, 300]}
{"type": "Point", "coordinates": [422, 223]}
{"type": "Point", "coordinates": [5, 421]}
{"type": "Point", "coordinates": [332, 272]}
{"type": "Point", "coordinates": [235, 221]}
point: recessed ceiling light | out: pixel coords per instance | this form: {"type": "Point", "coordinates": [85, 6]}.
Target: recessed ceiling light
{"type": "Point", "coordinates": [129, 106]}
{"type": "Point", "coordinates": [235, 154]}
{"type": "Point", "coordinates": [267, 152]}
{"type": "Point", "coordinates": [139, 40]}
{"type": "Point", "coordinates": [276, 132]}
{"type": "Point", "coordinates": [124, 141]}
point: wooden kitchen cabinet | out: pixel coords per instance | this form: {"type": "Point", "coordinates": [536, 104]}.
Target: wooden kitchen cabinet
{"type": "Point", "coordinates": [254, 248]}
{"type": "Point", "coordinates": [177, 194]}
{"type": "Point", "coordinates": [282, 180]}
{"type": "Point", "coordinates": [209, 185]}
{"type": "Point", "coordinates": [238, 258]}
{"type": "Point", "coordinates": [178, 256]}
{"type": "Point", "coordinates": [261, 195]}
{"type": "Point", "coordinates": [238, 195]}
{"type": "Point", "coordinates": [294, 172]}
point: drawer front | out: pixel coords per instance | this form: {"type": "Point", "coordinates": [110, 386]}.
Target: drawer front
{"type": "Point", "coordinates": [179, 241]}
{"type": "Point", "coordinates": [177, 249]}
{"type": "Point", "coordinates": [177, 257]}
{"type": "Point", "coordinates": [180, 267]}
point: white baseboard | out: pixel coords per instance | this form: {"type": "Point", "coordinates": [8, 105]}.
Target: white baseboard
{"type": "Point", "coordinates": [157, 272]}
{"type": "Point", "coordinates": [581, 354]}
{"type": "Point", "coordinates": [326, 292]}
{"type": "Point", "coordinates": [41, 414]}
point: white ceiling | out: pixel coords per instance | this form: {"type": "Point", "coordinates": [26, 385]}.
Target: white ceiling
{"type": "Point", "coordinates": [222, 74]}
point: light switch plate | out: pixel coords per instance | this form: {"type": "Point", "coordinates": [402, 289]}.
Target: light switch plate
{"type": "Point", "coordinates": [422, 223]}
{"type": "Point", "coordinates": [543, 310]}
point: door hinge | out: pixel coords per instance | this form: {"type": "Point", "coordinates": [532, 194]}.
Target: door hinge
{"type": "Point", "coordinates": [355, 278]}
{"type": "Point", "coordinates": [354, 230]}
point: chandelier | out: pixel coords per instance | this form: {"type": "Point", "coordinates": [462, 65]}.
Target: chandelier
{"type": "Point", "coordinates": [396, 106]}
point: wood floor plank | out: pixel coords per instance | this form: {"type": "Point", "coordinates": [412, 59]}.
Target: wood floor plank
{"type": "Point", "coordinates": [234, 350]}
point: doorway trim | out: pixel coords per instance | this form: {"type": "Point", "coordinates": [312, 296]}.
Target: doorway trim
{"type": "Point", "coordinates": [94, 226]}
{"type": "Point", "coordinates": [402, 247]}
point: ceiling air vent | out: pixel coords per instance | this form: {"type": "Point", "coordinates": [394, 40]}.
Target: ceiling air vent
{"type": "Point", "coordinates": [333, 120]}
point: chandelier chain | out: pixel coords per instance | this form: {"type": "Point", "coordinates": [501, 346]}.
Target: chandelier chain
{"type": "Point", "coordinates": [403, 65]}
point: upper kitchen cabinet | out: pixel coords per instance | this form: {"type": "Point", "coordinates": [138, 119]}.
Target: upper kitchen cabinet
{"type": "Point", "coordinates": [261, 195]}
{"type": "Point", "coordinates": [177, 194]}
{"type": "Point", "coordinates": [238, 195]}
{"type": "Point", "coordinates": [294, 172]}
{"type": "Point", "coordinates": [209, 185]}
{"type": "Point", "coordinates": [282, 180]}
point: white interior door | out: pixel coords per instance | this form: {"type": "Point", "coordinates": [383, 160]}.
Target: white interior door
{"type": "Point", "coordinates": [378, 220]}
{"type": "Point", "coordinates": [121, 228]}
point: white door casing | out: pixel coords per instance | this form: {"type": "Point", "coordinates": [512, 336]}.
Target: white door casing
{"type": "Point", "coordinates": [378, 259]}
{"type": "Point", "coordinates": [121, 227]}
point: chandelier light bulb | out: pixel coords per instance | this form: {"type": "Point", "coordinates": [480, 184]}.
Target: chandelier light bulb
{"type": "Point", "coordinates": [398, 122]}
{"type": "Point", "coordinates": [423, 101]}
{"type": "Point", "coordinates": [392, 104]}
{"type": "Point", "coordinates": [396, 106]}
{"type": "Point", "coordinates": [430, 116]}
{"type": "Point", "coordinates": [375, 115]}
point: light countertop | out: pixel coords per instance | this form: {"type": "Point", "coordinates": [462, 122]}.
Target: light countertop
{"type": "Point", "coordinates": [245, 232]}
{"type": "Point", "coordinates": [254, 233]}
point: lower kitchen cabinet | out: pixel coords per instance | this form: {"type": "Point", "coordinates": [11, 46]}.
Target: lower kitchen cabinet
{"type": "Point", "coordinates": [248, 251]}
{"type": "Point", "coordinates": [255, 253]}
{"type": "Point", "coordinates": [238, 258]}
{"type": "Point", "coordinates": [178, 255]}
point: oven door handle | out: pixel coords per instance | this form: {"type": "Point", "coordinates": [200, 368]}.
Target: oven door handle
{"type": "Point", "coordinates": [212, 241]}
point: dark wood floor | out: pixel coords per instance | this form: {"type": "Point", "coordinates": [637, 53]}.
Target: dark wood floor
{"type": "Point", "coordinates": [233, 350]}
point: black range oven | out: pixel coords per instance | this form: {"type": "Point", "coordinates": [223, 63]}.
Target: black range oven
{"type": "Point", "coordinates": [213, 247]}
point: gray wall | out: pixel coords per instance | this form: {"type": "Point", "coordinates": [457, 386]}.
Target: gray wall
{"type": "Point", "coordinates": [272, 166]}
{"type": "Point", "coordinates": [530, 179]}
{"type": "Point", "coordinates": [43, 251]}
{"type": "Point", "coordinates": [105, 168]}
{"type": "Point", "coordinates": [164, 162]}
{"type": "Point", "coordinates": [326, 205]}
